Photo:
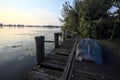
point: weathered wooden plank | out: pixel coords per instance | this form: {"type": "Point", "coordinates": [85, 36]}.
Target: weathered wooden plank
{"type": "Point", "coordinates": [53, 61]}
{"type": "Point", "coordinates": [52, 64]}
{"type": "Point", "coordinates": [43, 74]}
{"type": "Point", "coordinates": [54, 56]}
{"type": "Point", "coordinates": [56, 37]}
{"type": "Point", "coordinates": [63, 51]}
{"type": "Point", "coordinates": [65, 74]}
{"type": "Point", "coordinates": [53, 41]}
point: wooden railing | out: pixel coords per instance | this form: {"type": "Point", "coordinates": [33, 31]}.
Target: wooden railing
{"type": "Point", "coordinates": [40, 53]}
{"type": "Point", "coordinates": [68, 68]}
{"type": "Point", "coordinates": [40, 46]}
{"type": "Point", "coordinates": [67, 34]}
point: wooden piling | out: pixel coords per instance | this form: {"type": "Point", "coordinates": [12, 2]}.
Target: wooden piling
{"type": "Point", "coordinates": [56, 38]}
{"type": "Point", "coordinates": [39, 49]}
{"type": "Point", "coordinates": [63, 35]}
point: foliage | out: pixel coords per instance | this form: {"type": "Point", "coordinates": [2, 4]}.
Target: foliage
{"type": "Point", "coordinates": [87, 17]}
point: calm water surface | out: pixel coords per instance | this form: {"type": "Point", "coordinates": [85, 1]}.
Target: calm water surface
{"type": "Point", "coordinates": [17, 49]}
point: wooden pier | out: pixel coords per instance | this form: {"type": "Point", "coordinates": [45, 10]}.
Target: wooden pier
{"type": "Point", "coordinates": [61, 64]}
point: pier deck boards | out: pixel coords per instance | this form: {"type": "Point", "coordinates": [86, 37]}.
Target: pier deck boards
{"type": "Point", "coordinates": [65, 47]}
{"type": "Point", "coordinates": [60, 65]}
{"type": "Point", "coordinates": [43, 74]}
{"type": "Point", "coordinates": [52, 66]}
{"type": "Point", "coordinates": [54, 61]}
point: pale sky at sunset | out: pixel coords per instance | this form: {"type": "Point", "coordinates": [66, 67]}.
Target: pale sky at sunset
{"type": "Point", "coordinates": [31, 12]}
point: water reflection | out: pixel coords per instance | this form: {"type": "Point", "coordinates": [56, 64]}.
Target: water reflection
{"type": "Point", "coordinates": [19, 41]}
{"type": "Point", "coordinates": [17, 49]}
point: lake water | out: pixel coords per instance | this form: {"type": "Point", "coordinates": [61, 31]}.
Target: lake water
{"type": "Point", "coordinates": [17, 49]}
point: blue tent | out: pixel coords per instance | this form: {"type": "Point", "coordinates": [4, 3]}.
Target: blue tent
{"type": "Point", "coordinates": [89, 49]}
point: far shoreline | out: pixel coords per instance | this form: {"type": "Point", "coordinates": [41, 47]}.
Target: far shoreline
{"type": "Point", "coordinates": [21, 25]}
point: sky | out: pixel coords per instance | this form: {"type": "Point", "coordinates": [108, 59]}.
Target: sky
{"type": "Point", "coordinates": [31, 12]}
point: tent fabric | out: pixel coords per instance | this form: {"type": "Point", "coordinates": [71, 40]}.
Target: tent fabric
{"type": "Point", "coordinates": [89, 49]}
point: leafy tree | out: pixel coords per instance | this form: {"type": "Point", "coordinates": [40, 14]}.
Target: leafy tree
{"type": "Point", "coordinates": [86, 16]}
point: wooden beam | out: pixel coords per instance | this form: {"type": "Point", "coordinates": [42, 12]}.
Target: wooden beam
{"type": "Point", "coordinates": [56, 38]}
{"type": "Point", "coordinates": [66, 72]}
{"type": "Point", "coordinates": [40, 53]}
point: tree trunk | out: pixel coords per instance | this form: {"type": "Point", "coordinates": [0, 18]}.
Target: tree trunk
{"type": "Point", "coordinates": [113, 31]}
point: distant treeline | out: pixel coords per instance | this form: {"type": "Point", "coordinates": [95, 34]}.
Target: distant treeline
{"type": "Point", "coordinates": [14, 25]}
{"type": "Point", "coordinates": [21, 25]}
{"type": "Point", "coordinates": [48, 26]}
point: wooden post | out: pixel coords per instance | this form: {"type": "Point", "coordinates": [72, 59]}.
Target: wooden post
{"type": "Point", "coordinates": [56, 38]}
{"type": "Point", "coordinates": [39, 49]}
{"type": "Point", "coordinates": [66, 34]}
{"type": "Point", "coordinates": [63, 35]}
